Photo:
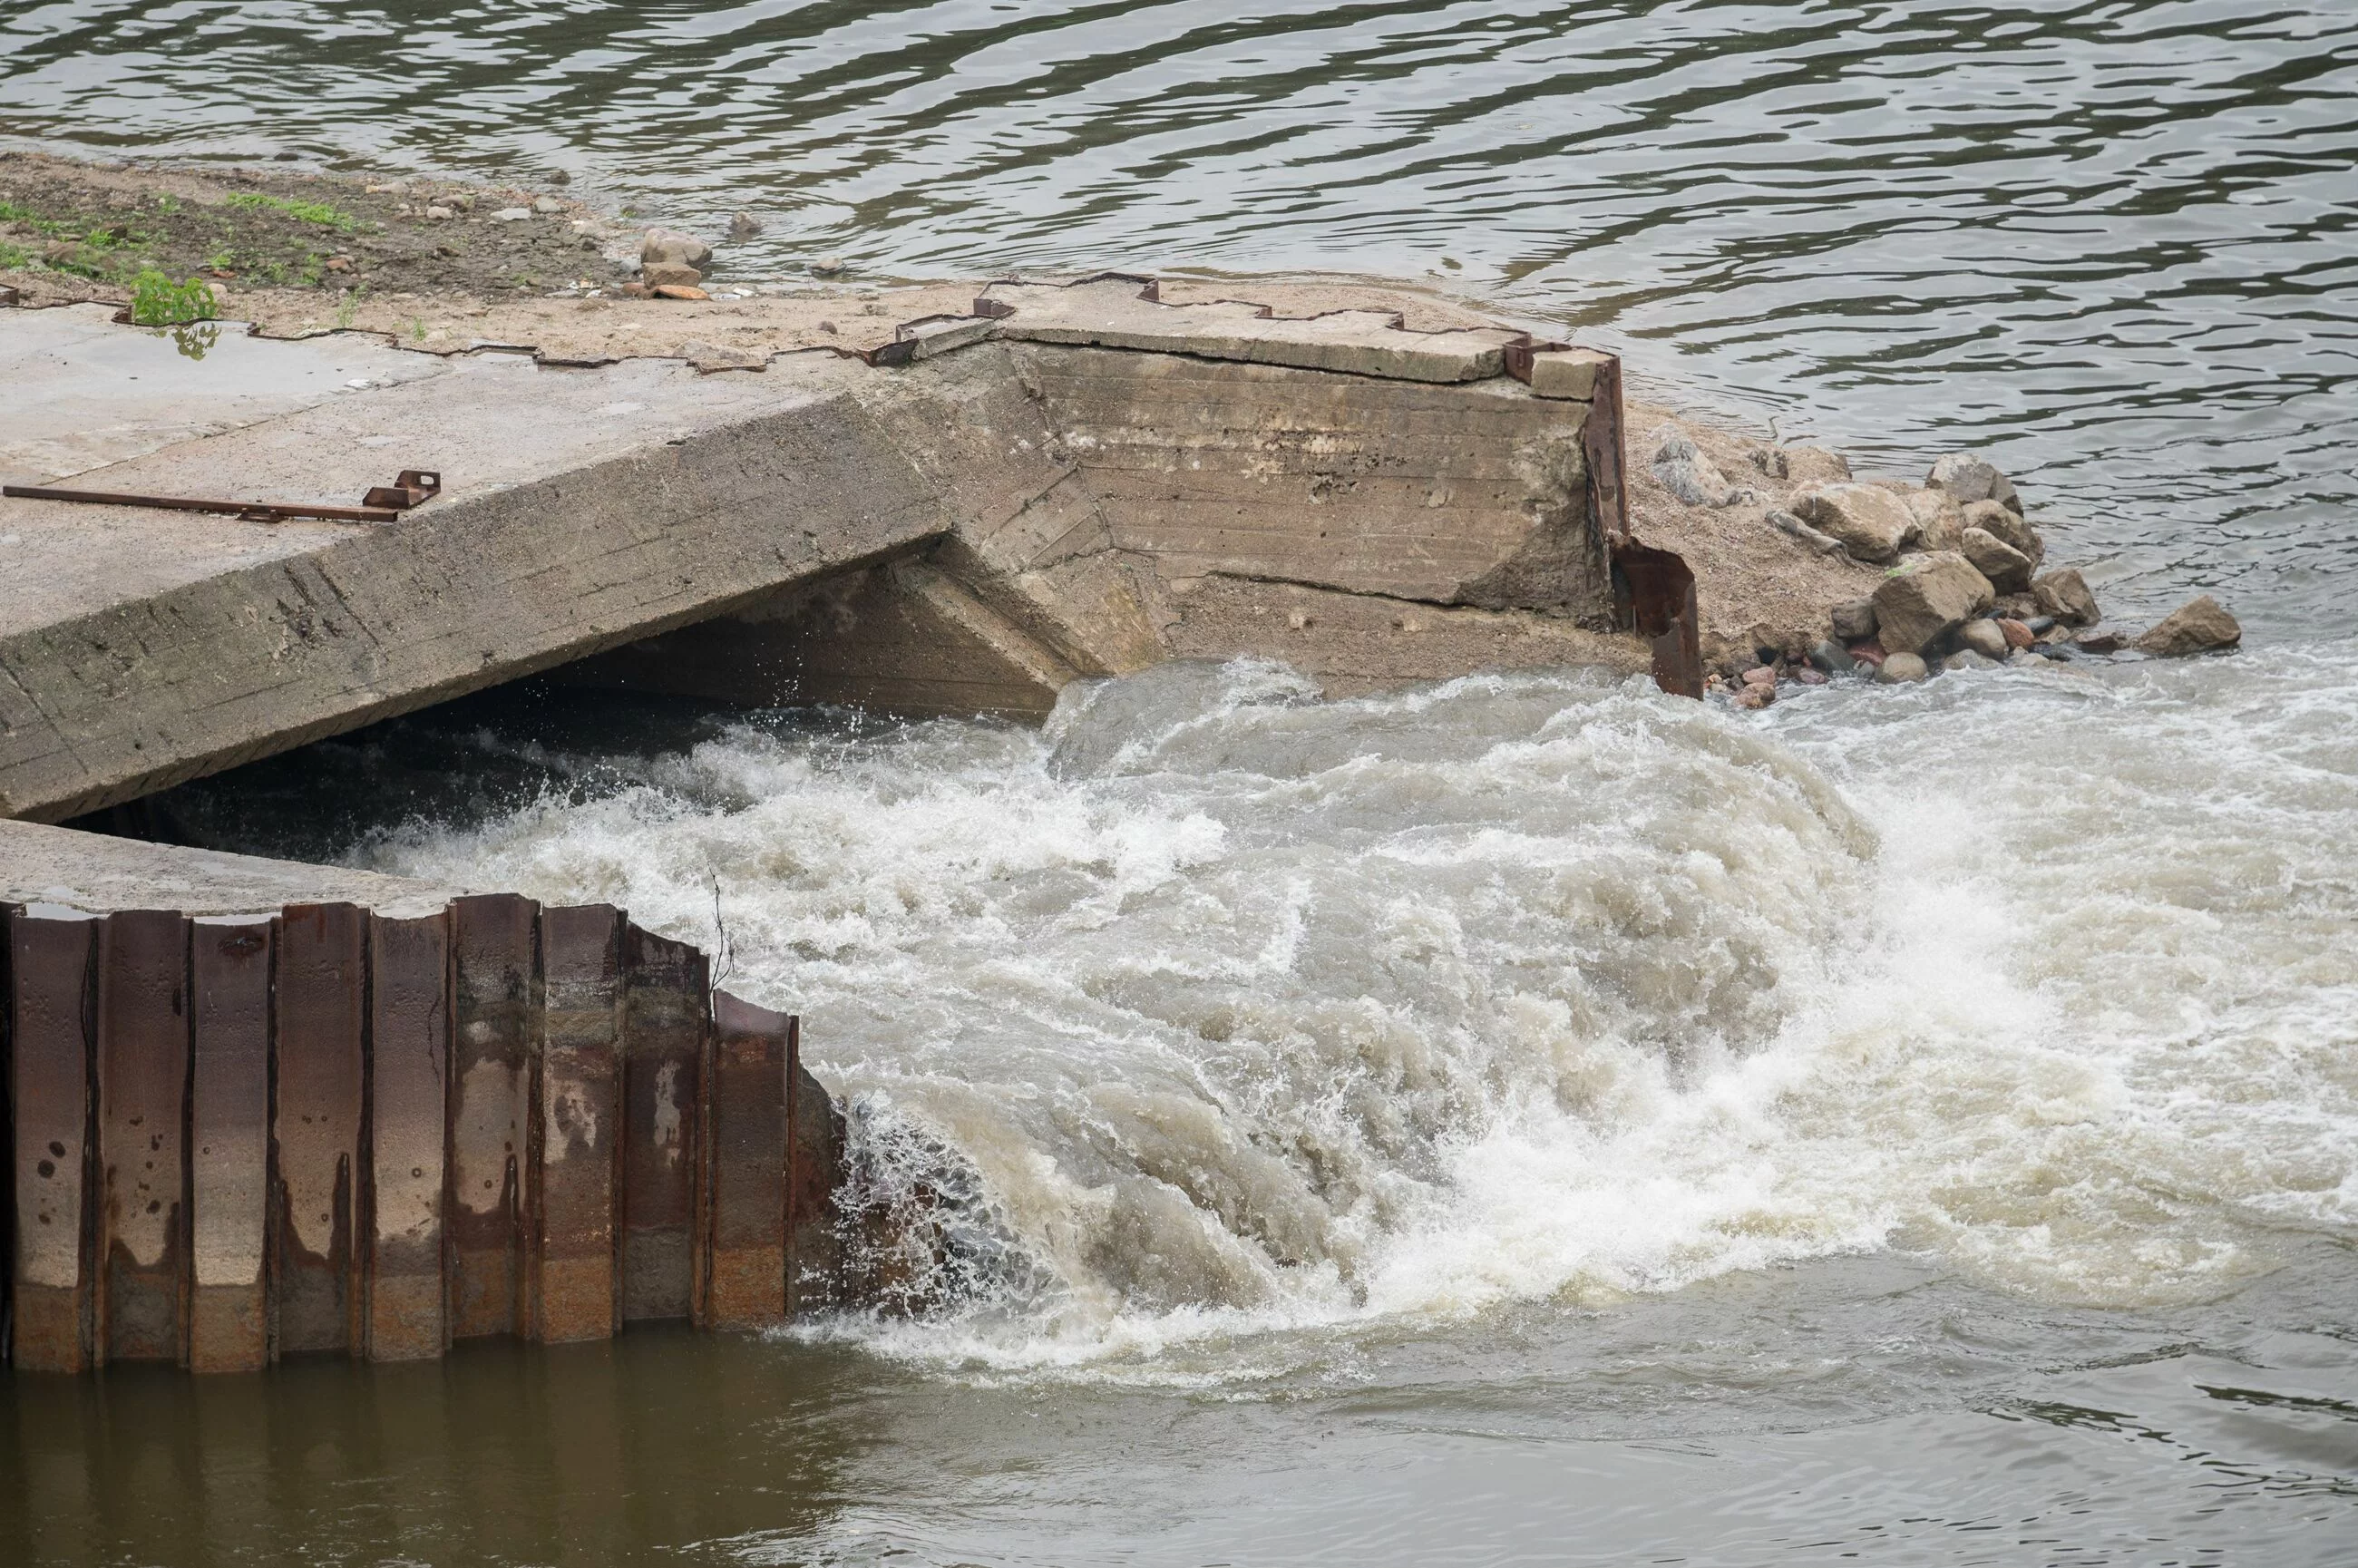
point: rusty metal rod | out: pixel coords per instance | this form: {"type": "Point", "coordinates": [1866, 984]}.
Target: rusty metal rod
{"type": "Point", "coordinates": [253, 511]}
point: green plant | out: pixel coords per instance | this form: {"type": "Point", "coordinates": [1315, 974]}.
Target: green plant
{"type": "Point", "coordinates": [349, 304]}
{"type": "Point", "coordinates": [10, 212]}
{"type": "Point", "coordinates": [417, 329]}
{"type": "Point", "coordinates": [158, 301]}
{"type": "Point", "coordinates": [318, 213]}
{"type": "Point", "coordinates": [167, 204]}
{"type": "Point", "coordinates": [223, 260]}
{"type": "Point", "coordinates": [14, 258]}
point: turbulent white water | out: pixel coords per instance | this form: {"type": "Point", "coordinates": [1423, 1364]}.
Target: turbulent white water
{"type": "Point", "coordinates": [1216, 1009]}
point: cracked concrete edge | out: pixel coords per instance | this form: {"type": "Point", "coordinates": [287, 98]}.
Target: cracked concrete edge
{"type": "Point", "coordinates": [93, 873]}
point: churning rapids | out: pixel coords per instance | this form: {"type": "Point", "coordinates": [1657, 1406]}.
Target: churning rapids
{"type": "Point", "coordinates": [1528, 1119]}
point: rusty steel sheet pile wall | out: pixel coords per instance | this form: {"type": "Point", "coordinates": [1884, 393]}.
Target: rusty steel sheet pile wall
{"type": "Point", "coordinates": [333, 1132]}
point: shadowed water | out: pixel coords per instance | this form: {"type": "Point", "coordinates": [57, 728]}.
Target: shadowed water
{"type": "Point", "coordinates": [1528, 1119]}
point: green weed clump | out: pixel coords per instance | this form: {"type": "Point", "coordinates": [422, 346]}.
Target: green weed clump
{"type": "Point", "coordinates": [318, 213]}
{"type": "Point", "coordinates": [158, 301]}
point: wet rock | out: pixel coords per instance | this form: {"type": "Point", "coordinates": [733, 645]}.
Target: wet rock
{"type": "Point", "coordinates": [1927, 597]}
{"type": "Point", "coordinates": [547, 206]}
{"type": "Point", "coordinates": [1832, 658]}
{"type": "Point", "coordinates": [2100, 640]}
{"type": "Point", "coordinates": [1939, 521]}
{"type": "Point", "coordinates": [2199, 626]}
{"type": "Point", "coordinates": [677, 291]}
{"type": "Point", "coordinates": [1686, 473]}
{"type": "Point", "coordinates": [2008, 568]}
{"type": "Point", "coordinates": [1986, 638]}
{"type": "Point", "coordinates": [742, 227]}
{"type": "Point", "coordinates": [1899, 669]}
{"type": "Point", "coordinates": [2015, 606]}
{"type": "Point", "coordinates": [1970, 477]}
{"type": "Point", "coordinates": [654, 274]}
{"type": "Point", "coordinates": [2018, 633]}
{"type": "Point", "coordinates": [1854, 620]}
{"type": "Point", "coordinates": [2064, 595]}
{"type": "Point", "coordinates": [1756, 696]}
{"type": "Point", "coordinates": [512, 215]}
{"type": "Point", "coordinates": [1873, 524]}
{"type": "Point", "coordinates": [1993, 518]}
{"type": "Point", "coordinates": [1760, 675]}
{"type": "Point", "coordinates": [2023, 658]}
{"type": "Point", "coordinates": [1803, 465]}
{"type": "Point", "coordinates": [1968, 659]}
{"type": "Point", "coordinates": [827, 267]}
{"type": "Point", "coordinates": [1810, 677]}
{"type": "Point", "coordinates": [1785, 523]}
{"type": "Point", "coordinates": [2040, 624]}
{"type": "Point", "coordinates": [671, 245]}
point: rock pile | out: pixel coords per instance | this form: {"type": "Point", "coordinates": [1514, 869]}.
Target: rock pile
{"type": "Point", "coordinates": [1963, 587]}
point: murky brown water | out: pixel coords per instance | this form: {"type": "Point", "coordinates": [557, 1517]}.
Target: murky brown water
{"type": "Point", "coordinates": [1527, 1121]}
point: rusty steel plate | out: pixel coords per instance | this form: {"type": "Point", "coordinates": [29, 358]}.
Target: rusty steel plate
{"type": "Point", "coordinates": [578, 1153]}
{"type": "Point", "coordinates": [316, 1131]}
{"type": "Point", "coordinates": [747, 1272]}
{"type": "Point", "coordinates": [494, 1040]}
{"type": "Point", "coordinates": [813, 1171]}
{"type": "Point", "coordinates": [666, 1016]}
{"type": "Point", "coordinates": [143, 1075]}
{"type": "Point", "coordinates": [50, 966]}
{"type": "Point", "coordinates": [409, 1059]}
{"type": "Point", "coordinates": [228, 1146]}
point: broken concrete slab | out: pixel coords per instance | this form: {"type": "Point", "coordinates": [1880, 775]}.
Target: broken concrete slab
{"type": "Point", "coordinates": [98, 874]}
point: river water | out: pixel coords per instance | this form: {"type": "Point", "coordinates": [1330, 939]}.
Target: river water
{"type": "Point", "coordinates": [1524, 1119]}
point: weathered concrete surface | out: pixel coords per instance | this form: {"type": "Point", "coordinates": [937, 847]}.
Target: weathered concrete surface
{"type": "Point", "coordinates": [1050, 508]}
{"type": "Point", "coordinates": [97, 875]}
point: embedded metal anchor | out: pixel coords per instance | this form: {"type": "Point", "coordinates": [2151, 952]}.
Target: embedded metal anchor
{"type": "Point", "coordinates": [382, 503]}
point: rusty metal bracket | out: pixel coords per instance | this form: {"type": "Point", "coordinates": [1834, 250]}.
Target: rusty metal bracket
{"type": "Point", "coordinates": [382, 503]}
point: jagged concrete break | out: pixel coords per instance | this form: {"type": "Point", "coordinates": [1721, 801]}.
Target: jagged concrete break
{"type": "Point", "coordinates": [1072, 481]}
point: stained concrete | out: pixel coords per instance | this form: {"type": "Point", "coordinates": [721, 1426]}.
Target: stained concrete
{"type": "Point", "coordinates": [1082, 481]}
{"type": "Point", "coordinates": [59, 868]}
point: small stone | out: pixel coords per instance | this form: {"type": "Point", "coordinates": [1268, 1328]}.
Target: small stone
{"type": "Point", "coordinates": [742, 227]}
{"type": "Point", "coordinates": [2023, 658]}
{"type": "Point", "coordinates": [1809, 677]}
{"type": "Point", "coordinates": [1993, 518]}
{"type": "Point", "coordinates": [1873, 524]}
{"type": "Point", "coordinates": [2040, 624]}
{"type": "Point", "coordinates": [2199, 626]}
{"type": "Point", "coordinates": [340, 263]}
{"type": "Point", "coordinates": [1928, 596]}
{"type": "Point", "coordinates": [1785, 522]}
{"type": "Point", "coordinates": [547, 206]}
{"type": "Point", "coordinates": [1986, 638]}
{"type": "Point", "coordinates": [1756, 696]}
{"type": "Point", "coordinates": [707, 358]}
{"type": "Point", "coordinates": [1968, 659]}
{"type": "Point", "coordinates": [1901, 669]}
{"type": "Point", "coordinates": [2018, 634]}
{"type": "Point", "coordinates": [512, 215]}
{"type": "Point", "coordinates": [440, 214]}
{"type": "Point", "coordinates": [1970, 477]}
{"type": "Point", "coordinates": [1687, 473]}
{"type": "Point", "coordinates": [656, 274]}
{"type": "Point", "coordinates": [560, 178]}
{"type": "Point", "coordinates": [677, 291]}
{"type": "Point", "coordinates": [827, 267]}
{"type": "Point", "coordinates": [1832, 658]}
{"type": "Point", "coordinates": [2100, 640]}
{"type": "Point", "coordinates": [2064, 595]}
{"type": "Point", "coordinates": [1803, 465]}
{"type": "Point", "coordinates": [1760, 675]}
{"type": "Point", "coordinates": [1939, 521]}
{"type": "Point", "coordinates": [2008, 568]}
{"type": "Point", "coordinates": [1854, 620]}
{"type": "Point", "coordinates": [671, 245]}
{"type": "Point", "coordinates": [828, 326]}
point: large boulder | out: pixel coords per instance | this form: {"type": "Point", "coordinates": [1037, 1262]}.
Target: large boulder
{"type": "Point", "coordinates": [1939, 521]}
{"type": "Point", "coordinates": [1970, 477]}
{"type": "Point", "coordinates": [2008, 568]}
{"type": "Point", "coordinates": [669, 247]}
{"type": "Point", "coordinates": [2199, 626]}
{"type": "Point", "coordinates": [1854, 620]}
{"type": "Point", "coordinates": [1900, 669]}
{"type": "Point", "coordinates": [2008, 525]}
{"type": "Point", "coordinates": [1687, 474]}
{"type": "Point", "coordinates": [2064, 595]}
{"type": "Point", "coordinates": [1986, 638]}
{"type": "Point", "coordinates": [1928, 596]}
{"type": "Point", "coordinates": [1873, 524]}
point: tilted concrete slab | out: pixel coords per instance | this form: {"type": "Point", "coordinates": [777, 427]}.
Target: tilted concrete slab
{"type": "Point", "coordinates": [96, 874]}
{"type": "Point", "coordinates": [1057, 509]}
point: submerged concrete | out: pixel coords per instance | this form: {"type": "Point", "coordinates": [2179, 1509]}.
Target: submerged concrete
{"type": "Point", "coordinates": [1072, 481]}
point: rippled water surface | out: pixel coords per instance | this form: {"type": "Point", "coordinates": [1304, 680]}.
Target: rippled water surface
{"type": "Point", "coordinates": [1526, 1120]}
